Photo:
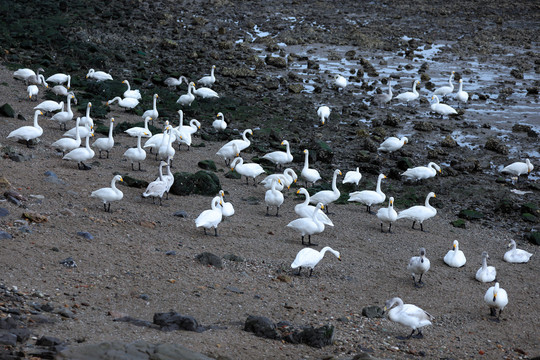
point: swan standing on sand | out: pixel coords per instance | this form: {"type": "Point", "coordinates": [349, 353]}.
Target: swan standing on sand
{"type": "Point", "coordinates": [328, 196]}
{"type": "Point", "coordinates": [137, 130]}
{"type": "Point", "coordinates": [306, 211]}
{"type": "Point", "coordinates": [387, 215]}
{"type": "Point", "coordinates": [32, 91]}
{"type": "Point", "coordinates": [126, 103]}
{"type": "Point", "coordinates": [515, 255]}
{"type": "Point", "coordinates": [28, 133]}
{"type": "Point", "coordinates": [137, 153]}
{"type": "Point", "coordinates": [280, 158]}
{"type": "Point", "coordinates": [287, 178]}
{"type": "Point", "coordinates": [408, 95]}
{"type": "Point", "coordinates": [496, 298]}
{"type": "Point", "coordinates": [168, 177]}
{"type": "Point", "coordinates": [455, 257]}
{"type": "Point", "coordinates": [188, 98]}
{"type": "Point", "coordinates": [251, 170]}
{"type": "Point", "coordinates": [419, 265]}
{"type": "Point", "coordinates": [110, 194]}
{"type": "Point", "coordinates": [228, 153]}
{"type": "Point", "coordinates": [157, 187]}
{"type": "Point", "coordinates": [60, 79]}
{"type": "Point", "coordinates": [419, 213]}
{"type": "Point", "coordinates": [324, 113]}
{"type": "Point", "coordinates": [81, 154]}
{"type": "Point", "coordinates": [442, 109]}
{"type": "Point", "coordinates": [48, 106]}
{"type": "Point", "coordinates": [445, 90]}
{"type": "Point", "coordinates": [153, 112]}
{"type": "Point", "coordinates": [309, 258]}
{"type": "Point", "coordinates": [309, 175]}
{"type": "Point", "coordinates": [273, 197]}
{"type": "Point", "coordinates": [422, 172]}
{"type": "Point", "coordinates": [243, 143]}
{"type": "Point", "coordinates": [352, 177]}
{"type": "Point", "coordinates": [60, 90]}
{"type": "Point", "coordinates": [227, 208]}
{"type": "Point", "coordinates": [64, 116]}
{"type": "Point", "coordinates": [185, 132]}
{"type": "Point", "coordinates": [210, 218]}
{"type": "Point", "coordinates": [369, 197]}
{"type": "Point", "coordinates": [219, 124]}
{"type": "Point", "coordinates": [486, 273]}
{"type": "Point", "coordinates": [67, 144]}
{"type": "Point", "coordinates": [384, 98]}
{"type": "Point", "coordinates": [519, 168]}
{"type": "Point", "coordinates": [340, 82]}
{"type": "Point", "coordinates": [105, 144]}
{"type": "Point", "coordinates": [309, 226]}
{"type": "Point", "coordinates": [462, 96]}
{"type": "Point", "coordinates": [408, 315]}
{"type": "Point", "coordinates": [208, 80]}
{"type": "Point", "coordinates": [98, 75]}
{"type": "Point", "coordinates": [173, 82]}
{"type": "Point", "coordinates": [392, 144]}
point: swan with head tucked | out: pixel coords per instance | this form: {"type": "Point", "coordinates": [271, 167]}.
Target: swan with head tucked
{"type": "Point", "coordinates": [81, 154]}
{"type": "Point", "coordinates": [392, 144]}
{"type": "Point", "coordinates": [32, 90]}
{"type": "Point", "coordinates": [210, 218]}
{"type": "Point", "coordinates": [126, 103]}
{"type": "Point", "coordinates": [462, 96]}
{"type": "Point", "coordinates": [496, 298]}
{"type": "Point", "coordinates": [327, 197]}
{"type": "Point", "coordinates": [251, 170]}
{"type": "Point", "coordinates": [157, 187]}
{"type": "Point", "coordinates": [135, 94]}
{"type": "Point", "coordinates": [455, 257]}
{"type": "Point", "coordinates": [287, 179]}
{"type": "Point", "coordinates": [419, 265]}
{"type": "Point", "coordinates": [515, 255]}
{"type": "Point", "coordinates": [188, 98]}
{"type": "Point", "coordinates": [309, 258]}
{"type": "Point", "coordinates": [110, 194]}
{"type": "Point", "coordinates": [352, 177]}
{"type": "Point", "coordinates": [309, 225]}
{"type": "Point", "coordinates": [60, 79]}
{"type": "Point", "coordinates": [323, 112]}
{"type": "Point", "coordinates": [28, 133]}
{"type": "Point", "coordinates": [419, 213]}
{"type": "Point", "coordinates": [486, 273]}
{"type": "Point", "coordinates": [227, 208]}
{"type": "Point", "coordinates": [518, 168]}
{"type": "Point", "coordinates": [98, 75]}
{"type": "Point", "coordinates": [369, 197]}
{"type": "Point", "coordinates": [387, 215]}
{"type": "Point", "coordinates": [64, 116]}
{"type": "Point", "coordinates": [445, 90]}
{"type": "Point", "coordinates": [422, 172]}
{"type": "Point", "coordinates": [280, 158]}
{"type": "Point", "coordinates": [173, 82]}
{"type": "Point", "coordinates": [384, 97]}
{"type": "Point", "coordinates": [305, 210]}
{"type": "Point", "coordinates": [408, 315]}
{"type": "Point", "coordinates": [219, 123]}
{"type": "Point", "coordinates": [309, 175]}
{"type": "Point", "coordinates": [409, 95]}
{"type": "Point", "coordinates": [442, 109]}
{"type": "Point", "coordinates": [105, 144]}
{"type": "Point", "coordinates": [340, 82]}
{"type": "Point", "coordinates": [153, 112]}
{"type": "Point", "coordinates": [137, 153]}
{"type": "Point", "coordinates": [50, 106]}
{"type": "Point", "coordinates": [273, 197]}
{"type": "Point", "coordinates": [67, 144]}
{"type": "Point", "coordinates": [208, 80]}
{"type": "Point", "coordinates": [138, 130]}
{"type": "Point", "coordinates": [204, 92]}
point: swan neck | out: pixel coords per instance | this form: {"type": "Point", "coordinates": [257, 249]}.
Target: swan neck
{"type": "Point", "coordinates": [111, 130]}
{"type": "Point", "coordinates": [306, 194]}
{"type": "Point", "coordinates": [155, 103]}
{"type": "Point", "coordinates": [334, 182]}
{"type": "Point", "coordinates": [306, 161]}
{"type": "Point", "coordinates": [36, 114]}
{"type": "Point", "coordinates": [113, 183]}
{"type": "Point", "coordinates": [88, 142]}
{"type": "Point", "coordinates": [484, 263]}
{"type": "Point", "coordinates": [139, 142]}
{"type": "Point", "coordinates": [378, 188]}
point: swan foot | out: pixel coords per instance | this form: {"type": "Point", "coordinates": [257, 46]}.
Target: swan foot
{"type": "Point", "coordinates": [310, 272]}
{"type": "Point", "coordinates": [418, 335]}
{"type": "Point", "coordinates": [310, 243]}
{"type": "Point", "coordinates": [492, 312]}
{"type": "Point", "coordinates": [299, 270]}
{"type": "Point", "coordinates": [421, 227]}
{"type": "Point", "coordinates": [204, 231]}
{"type": "Point", "coordinates": [390, 228]}
{"type": "Point", "coordinates": [215, 232]}
{"type": "Point", "coordinates": [107, 154]}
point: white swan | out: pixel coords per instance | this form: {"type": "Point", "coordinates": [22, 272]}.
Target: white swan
{"type": "Point", "coordinates": [496, 298]}
{"type": "Point", "coordinates": [445, 90]}
{"type": "Point", "coordinates": [210, 218]}
{"type": "Point", "coordinates": [455, 257]}
{"type": "Point", "coordinates": [352, 177]}
{"type": "Point", "coordinates": [219, 123]}
{"type": "Point", "coordinates": [208, 80]}
{"type": "Point", "coordinates": [105, 144]}
{"type": "Point", "coordinates": [168, 177]}
{"type": "Point", "coordinates": [188, 98]}
{"type": "Point", "coordinates": [442, 109]}
{"type": "Point", "coordinates": [23, 74]}
{"type": "Point", "coordinates": [486, 273]}
{"type": "Point", "coordinates": [228, 153]}
{"type": "Point", "coordinates": [126, 103]}
{"type": "Point", "coordinates": [387, 215]}
{"type": "Point", "coordinates": [462, 96]}
{"type": "Point", "coordinates": [287, 178]}
{"type": "Point", "coordinates": [328, 196]}
{"type": "Point", "coordinates": [422, 172]}
{"type": "Point", "coordinates": [273, 197]}
{"type": "Point", "coordinates": [518, 168]}
{"type": "Point", "coordinates": [63, 117]}
{"type": "Point", "coordinates": [309, 226]}
{"type": "Point", "coordinates": [135, 94]}
{"type": "Point", "coordinates": [392, 144]}
{"type": "Point", "coordinates": [37, 79]}
{"type": "Point", "coordinates": [137, 153]}
{"type": "Point", "coordinates": [419, 265]}
{"type": "Point", "coordinates": [173, 82]}
{"type": "Point", "coordinates": [49, 106]}
{"type": "Point", "coordinates": [157, 187]}
{"type": "Point", "coordinates": [384, 97]}
{"type": "Point", "coordinates": [409, 95]}
{"type": "Point", "coordinates": [305, 210]}
{"type": "Point", "coordinates": [60, 79]}
{"type": "Point", "coordinates": [153, 112]}
{"type": "Point", "coordinates": [409, 315]}
{"type": "Point", "coordinates": [84, 131]}
{"type": "Point", "coordinates": [515, 255]}
{"type": "Point", "coordinates": [204, 92]}
{"type": "Point", "coordinates": [155, 140]}
{"type": "Point", "coordinates": [98, 75]}
{"type": "Point", "coordinates": [166, 149]}
{"type": "Point", "coordinates": [80, 155]}
{"type": "Point", "coordinates": [324, 113]}
{"type": "Point", "coordinates": [309, 175]}
{"type": "Point", "coordinates": [32, 90]}
{"type": "Point", "coordinates": [86, 119]}
{"type": "Point", "coordinates": [280, 158]}
{"type": "Point", "coordinates": [309, 258]}
{"type": "Point", "coordinates": [369, 197]}
{"type": "Point", "coordinates": [28, 133]}
{"type": "Point", "coordinates": [227, 208]}
{"type": "Point", "coordinates": [185, 132]}
{"type": "Point", "coordinates": [419, 213]}
{"type": "Point", "coordinates": [110, 194]}
{"type": "Point", "coordinates": [251, 170]}
{"type": "Point", "coordinates": [243, 143]}
{"type": "Point", "coordinates": [137, 130]}
{"type": "Point", "coordinates": [340, 82]}
{"type": "Point", "coordinates": [67, 144]}
{"type": "Point", "coordinates": [60, 90]}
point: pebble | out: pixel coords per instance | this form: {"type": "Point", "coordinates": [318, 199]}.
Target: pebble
{"type": "Point", "coordinates": [85, 235]}
{"type": "Point", "coordinates": [5, 235]}
{"type": "Point", "coordinates": [171, 252]}
{"type": "Point", "coordinates": [181, 213]}
{"type": "Point", "coordinates": [4, 212]}
{"type": "Point", "coordinates": [69, 262]}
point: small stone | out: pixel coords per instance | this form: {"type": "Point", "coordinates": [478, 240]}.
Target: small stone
{"type": "Point", "coordinates": [85, 235]}
{"type": "Point", "coordinates": [66, 313]}
{"type": "Point", "coordinates": [234, 289]}
{"type": "Point", "coordinates": [69, 262]}
{"type": "Point", "coordinates": [181, 213]}
{"type": "Point", "coordinates": [276, 61]}
{"type": "Point", "coordinates": [4, 212]}
{"type": "Point", "coordinates": [171, 253]}
{"type": "Point", "coordinates": [232, 257]}
{"type": "Point", "coordinates": [145, 297]}
{"type": "Point", "coordinates": [284, 278]}
{"type": "Point", "coordinates": [7, 111]}
{"type": "Point", "coordinates": [5, 235]}
{"type": "Point", "coordinates": [261, 327]}
{"type": "Point", "coordinates": [147, 224]}
{"type": "Point", "coordinates": [35, 217]}
{"type": "Point", "coordinates": [372, 311]}
{"type": "Point", "coordinates": [174, 321]}
{"type": "Point", "coordinates": [7, 338]}
{"type": "Point", "coordinates": [4, 183]}
{"type": "Point", "coordinates": [48, 341]}
{"type": "Point", "coordinates": [207, 258]}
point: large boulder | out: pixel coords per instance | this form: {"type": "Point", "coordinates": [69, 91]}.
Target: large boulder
{"type": "Point", "coordinates": [202, 183]}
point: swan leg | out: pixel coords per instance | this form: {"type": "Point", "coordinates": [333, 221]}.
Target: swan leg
{"type": "Point", "coordinates": [215, 231]}
{"type": "Point", "coordinates": [267, 214]}
{"type": "Point", "coordinates": [310, 243]}
{"type": "Point", "coordinates": [421, 227]}
{"type": "Point", "coordinates": [132, 169]}
{"type": "Point", "coordinates": [299, 270]}
{"type": "Point", "coordinates": [85, 167]}
{"type": "Point", "coordinates": [277, 211]}
{"type": "Point", "coordinates": [414, 222]}
{"type": "Point", "coordinates": [140, 166]}
{"type": "Point", "coordinates": [420, 283]}
{"type": "Point", "coordinates": [418, 335]}
{"type": "Point", "coordinates": [390, 228]}
{"type": "Point", "coordinates": [107, 154]}
{"type": "Point", "coordinates": [382, 228]}
{"type": "Point", "coordinates": [303, 240]}
{"type": "Point", "coordinates": [500, 312]}
{"type": "Point", "coordinates": [105, 207]}
{"type": "Point", "coordinates": [204, 231]}
{"type": "Point", "coordinates": [492, 312]}
{"type": "Point", "coordinates": [310, 272]}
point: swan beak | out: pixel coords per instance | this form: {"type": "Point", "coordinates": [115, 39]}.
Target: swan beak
{"type": "Point", "coordinates": [339, 258]}
{"type": "Point", "coordinates": [391, 202]}
{"type": "Point", "coordinates": [434, 195]}
{"type": "Point", "coordinates": [384, 176]}
{"type": "Point", "coordinates": [112, 119]}
{"type": "Point", "coordinates": [121, 179]}
{"type": "Point", "coordinates": [323, 122]}
{"type": "Point", "coordinates": [41, 113]}
{"type": "Point", "coordinates": [340, 173]}
{"type": "Point", "coordinates": [232, 169]}
{"type": "Point", "coordinates": [295, 181]}
{"type": "Point", "coordinates": [384, 310]}
{"type": "Point", "coordinates": [107, 103]}
{"type": "Point", "coordinates": [454, 246]}
{"type": "Point", "coordinates": [298, 191]}
{"type": "Point", "coordinates": [494, 296]}
{"type": "Point", "coordinates": [440, 171]}
{"type": "Point", "coordinates": [123, 82]}
{"type": "Point", "coordinates": [288, 187]}
{"type": "Point", "coordinates": [157, 95]}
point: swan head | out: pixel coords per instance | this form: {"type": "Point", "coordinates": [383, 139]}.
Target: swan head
{"type": "Point", "coordinates": [405, 140]}
{"type": "Point", "coordinates": [221, 193]}
{"type": "Point", "coordinates": [391, 200]}
{"type": "Point", "coordinates": [455, 245]}
{"type": "Point", "coordinates": [156, 96]}
{"type": "Point", "coordinates": [485, 255]}
{"type": "Point", "coordinates": [511, 244]}
{"type": "Point", "coordinates": [306, 151]}
{"type": "Point", "coordinates": [219, 115]}
{"type": "Point", "coordinates": [422, 253]}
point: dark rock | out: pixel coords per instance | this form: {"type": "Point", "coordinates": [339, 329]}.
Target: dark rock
{"type": "Point", "coordinates": [51, 177]}
{"type": "Point", "coordinates": [276, 61]}
{"type": "Point", "coordinates": [207, 258]}
{"type": "Point", "coordinates": [372, 311]}
{"type": "Point", "coordinates": [496, 145]}
{"type": "Point", "coordinates": [459, 223]}
{"type": "Point", "coordinates": [261, 327]}
{"type": "Point", "coordinates": [66, 313]}
{"type": "Point", "coordinates": [405, 163]}
{"type": "Point", "coordinates": [48, 307]}
{"type": "Point", "coordinates": [533, 237]}
{"type": "Point", "coordinates": [423, 126]}
{"type": "Point", "coordinates": [48, 341]}
{"type": "Point", "coordinates": [232, 257]}
{"type": "Point", "coordinates": [324, 152]}
{"type": "Point", "coordinates": [5, 235]}
{"type": "Point", "coordinates": [233, 175]}
{"type": "Point", "coordinates": [296, 88]}
{"type": "Point", "coordinates": [180, 213]}
{"type": "Point", "coordinates": [69, 262]}
{"type": "Point", "coordinates": [529, 218]}
{"type": "Point", "coordinates": [7, 338]}
{"type": "Point", "coordinates": [170, 253]}
{"type": "Point", "coordinates": [145, 297]}
{"type": "Point", "coordinates": [174, 321]}
{"type": "Point", "coordinates": [136, 183]}
{"type": "Point", "coordinates": [85, 235]}
{"type": "Point", "coordinates": [207, 165]}
{"type": "Point", "coordinates": [234, 289]}
{"type": "Point", "coordinates": [505, 206]}
{"type": "Point", "coordinates": [470, 214]}
{"type": "Point", "coordinates": [449, 142]}
{"type": "Point", "coordinates": [7, 111]}
{"type": "Point", "coordinates": [202, 183]}
{"type": "Point", "coordinates": [518, 74]}
{"type": "Point", "coordinates": [314, 337]}
{"type": "Point", "coordinates": [530, 208]}
{"type": "Point", "coordinates": [22, 334]}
